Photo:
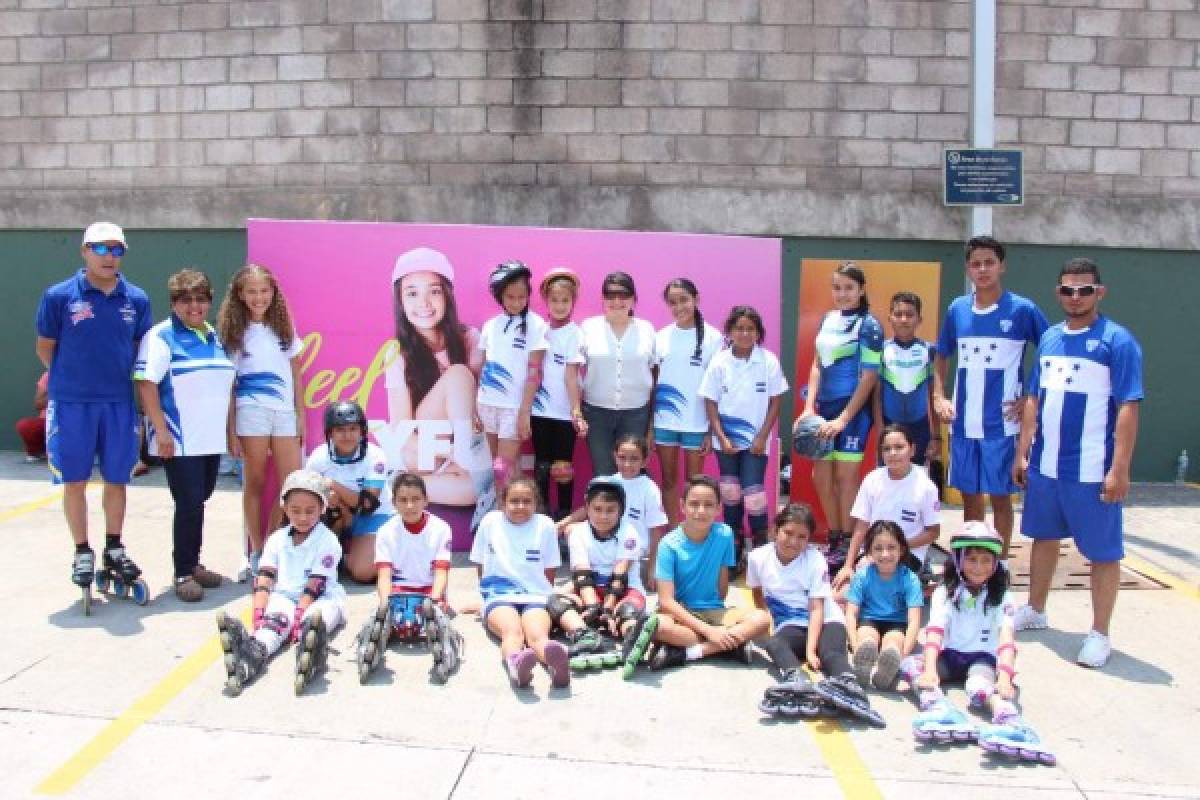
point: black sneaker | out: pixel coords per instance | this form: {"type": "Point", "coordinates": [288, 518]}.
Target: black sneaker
{"type": "Point", "coordinates": [666, 656]}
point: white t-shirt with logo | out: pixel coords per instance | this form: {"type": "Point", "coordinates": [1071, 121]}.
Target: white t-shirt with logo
{"type": "Point", "coordinates": [677, 404]}
{"type": "Point", "coordinates": [370, 473]}
{"type": "Point", "coordinates": [515, 557]}
{"type": "Point", "coordinates": [264, 369]}
{"type": "Point", "coordinates": [967, 627]}
{"type": "Point", "coordinates": [318, 554]}
{"type": "Point", "coordinates": [506, 357]}
{"type": "Point", "coordinates": [787, 588]}
{"type": "Point", "coordinates": [601, 555]}
{"type": "Point", "coordinates": [742, 388]}
{"type": "Point", "coordinates": [643, 506]}
{"type": "Point", "coordinates": [562, 348]}
{"type": "Point", "coordinates": [911, 502]}
{"type": "Point", "coordinates": [413, 556]}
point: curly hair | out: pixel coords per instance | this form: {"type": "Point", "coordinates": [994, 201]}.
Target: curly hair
{"type": "Point", "coordinates": [234, 317]}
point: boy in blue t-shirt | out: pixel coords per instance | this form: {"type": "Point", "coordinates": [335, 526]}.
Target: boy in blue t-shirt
{"type": "Point", "coordinates": [692, 573]}
{"type": "Point", "coordinates": [88, 330]}
{"type": "Point", "coordinates": [905, 384]}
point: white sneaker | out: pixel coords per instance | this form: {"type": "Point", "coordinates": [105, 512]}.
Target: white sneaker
{"type": "Point", "coordinates": [1095, 651]}
{"type": "Point", "coordinates": [1027, 618]}
{"type": "Point", "coordinates": [246, 570]}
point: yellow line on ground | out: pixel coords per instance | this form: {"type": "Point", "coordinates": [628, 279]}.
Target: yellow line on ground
{"type": "Point", "coordinates": [1155, 574]}
{"type": "Point", "coordinates": [843, 760]}
{"type": "Point", "coordinates": [145, 708]}
{"type": "Point", "coordinates": [32, 505]}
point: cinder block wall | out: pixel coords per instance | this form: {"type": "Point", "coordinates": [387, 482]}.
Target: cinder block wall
{"type": "Point", "coordinates": [800, 117]}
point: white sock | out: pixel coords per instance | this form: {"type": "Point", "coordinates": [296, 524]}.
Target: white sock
{"type": "Point", "coordinates": [695, 652]}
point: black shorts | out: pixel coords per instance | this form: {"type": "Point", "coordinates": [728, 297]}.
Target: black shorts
{"type": "Point", "coordinates": [883, 626]}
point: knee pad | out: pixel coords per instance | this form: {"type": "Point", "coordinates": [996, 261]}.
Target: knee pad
{"type": "Point", "coordinates": [756, 500]}
{"type": "Point", "coordinates": [626, 611]}
{"type": "Point", "coordinates": [562, 472]}
{"type": "Point", "coordinates": [731, 490]}
{"type": "Point", "coordinates": [980, 683]}
{"type": "Point", "coordinates": [559, 604]}
{"type": "Point", "coordinates": [500, 472]}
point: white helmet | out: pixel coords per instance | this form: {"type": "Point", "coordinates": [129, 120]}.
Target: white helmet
{"type": "Point", "coordinates": [306, 480]}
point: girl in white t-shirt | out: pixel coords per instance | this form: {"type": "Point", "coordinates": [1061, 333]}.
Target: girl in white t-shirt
{"type": "Point", "coordinates": [513, 344]}
{"type": "Point", "coordinates": [557, 416]}
{"type": "Point", "coordinates": [789, 578]}
{"type": "Point", "coordinates": [267, 419]}
{"type": "Point", "coordinates": [683, 350]}
{"type": "Point", "coordinates": [742, 390]}
{"type": "Point", "coordinates": [516, 549]}
{"type": "Point", "coordinates": [432, 378]}
{"type": "Point", "coordinates": [898, 491]}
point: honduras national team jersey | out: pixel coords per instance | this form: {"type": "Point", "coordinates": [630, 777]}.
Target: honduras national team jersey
{"type": "Point", "coordinates": [514, 557]}
{"type": "Point", "coordinates": [369, 473]}
{"type": "Point", "coordinates": [1080, 378]}
{"type": "Point", "coordinates": [677, 407]}
{"type": "Point", "coordinates": [989, 344]}
{"type": "Point", "coordinates": [847, 343]}
{"type": "Point", "coordinates": [742, 388]}
{"type": "Point", "coordinates": [601, 555]}
{"type": "Point", "coordinates": [264, 369]}
{"type": "Point", "coordinates": [194, 377]}
{"type": "Point", "coordinates": [506, 349]}
{"type": "Point", "coordinates": [787, 588]}
{"type": "Point", "coordinates": [562, 348]}
{"type": "Point", "coordinates": [904, 380]}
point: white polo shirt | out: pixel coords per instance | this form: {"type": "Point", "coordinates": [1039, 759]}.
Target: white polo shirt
{"type": "Point", "coordinates": [643, 506]}
{"type": "Point", "coordinates": [370, 473]}
{"type": "Point", "coordinates": [413, 556]}
{"type": "Point", "coordinates": [787, 588]}
{"type": "Point", "coordinates": [506, 349]}
{"type": "Point", "coordinates": [911, 502]}
{"type": "Point", "coordinates": [562, 348]}
{"type": "Point", "coordinates": [618, 374]}
{"type": "Point", "coordinates": [965, 626]}
{"type": "Point", "coordinates": [515, 557]}
{"type": "Point", "coordinates": [601, 555]}
{"type": "Point", "coordinates": [318, 554]}
{"type": "Point", "coordinates": [742, 389]}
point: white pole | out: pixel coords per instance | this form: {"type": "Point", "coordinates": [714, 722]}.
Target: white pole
{"type": "Point", "coordinates": [983, 91]}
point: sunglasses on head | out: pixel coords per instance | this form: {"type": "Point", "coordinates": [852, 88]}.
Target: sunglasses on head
{"type": "Point", "coordinates": [102, 249]}
{"type": "Point", "coordinates": [1084, 290]}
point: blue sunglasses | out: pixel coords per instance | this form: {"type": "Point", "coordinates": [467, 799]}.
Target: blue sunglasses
{"type": "Point", "coordinates": [102, 249]}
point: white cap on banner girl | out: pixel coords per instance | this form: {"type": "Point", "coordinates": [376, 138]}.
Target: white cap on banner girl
{"type": "Point", "coordinates": [422, 259]}
{"type": "Point", "coordinates": [103, 232]}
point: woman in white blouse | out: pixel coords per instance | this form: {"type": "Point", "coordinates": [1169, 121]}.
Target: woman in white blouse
{"type": "Point", "coordinates": [619, 382]}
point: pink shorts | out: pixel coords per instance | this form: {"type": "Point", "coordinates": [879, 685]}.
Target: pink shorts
{"type": "Point", "coordinates": [499, 421]}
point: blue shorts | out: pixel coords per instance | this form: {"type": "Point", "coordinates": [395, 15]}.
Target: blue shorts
{"type": "Point", "coordinates": [521, 606]}
{"type": "Point", "coordinates": [982, 466]}
{"type": "Point", "coordinates": [953, 665]}
{"type": "Point", "coordinates": [78, 433]}
{"type": "Point", "coordinates": [688, 441]}
{"type": "Point", "coordinates": [1056, 509]}
{"type": "Point", "coordinates": [367, 524]}
{"type": "Point", "coordinates": [920, 434]}
{"type": "Point", "coordinates": [851, 443]}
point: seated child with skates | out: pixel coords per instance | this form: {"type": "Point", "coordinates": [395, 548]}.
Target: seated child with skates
{"type": "Point", "coordinates": [883, 607]}
{"type": "Point", "coordinates": [606, 599]}
{"type": "Point", "coordinates": [358, 470]}
{"type": "Point", "coordinates": [970, 638]}
{"type": "Point", "coordinates": [516, 549]}
{"type": "Point", "coordinates": [412, 554]}
{"type": "Point", "coordinates": [297, 596]}
{"type": "Point", "coordinates": [692, 572]}
{"type": "Point", "coordinates": [790, 579]}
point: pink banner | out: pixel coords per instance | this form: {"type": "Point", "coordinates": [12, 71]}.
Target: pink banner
{"type": "Point", "coordinates": [337, 277]}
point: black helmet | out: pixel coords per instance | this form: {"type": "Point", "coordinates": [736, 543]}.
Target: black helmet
{"type": "Point", "coordinates": [345, 412]}
{"type": "Point", "coordinates": [506, 273]}
{"type": "Point", "coordinates": [597, 485]}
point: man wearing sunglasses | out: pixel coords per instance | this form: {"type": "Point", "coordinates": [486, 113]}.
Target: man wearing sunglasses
{"type": "Point", "coordinates": [1082, 419]}
{"type": "Point", "coordinates": [88, 329]}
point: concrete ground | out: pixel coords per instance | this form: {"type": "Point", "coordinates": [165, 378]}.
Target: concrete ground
{"type": "Point", "coordinates": [128, 702]}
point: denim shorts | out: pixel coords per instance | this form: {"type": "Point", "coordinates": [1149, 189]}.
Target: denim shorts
{"type": "Point", "coordinates": [686, 440]}
{"type": "Point", "coordinates": [260, 421]}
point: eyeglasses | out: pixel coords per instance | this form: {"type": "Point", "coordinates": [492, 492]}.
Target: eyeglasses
{"type": "Point", "coordinates": [201, 299]}
{"type": "Point", "coordinates": [1083, 290]}
{"type": "Point", "coordinates": [102, 249]}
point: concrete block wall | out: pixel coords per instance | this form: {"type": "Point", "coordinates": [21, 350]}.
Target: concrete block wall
{"type": "Point", "coordinates": [772, 116]}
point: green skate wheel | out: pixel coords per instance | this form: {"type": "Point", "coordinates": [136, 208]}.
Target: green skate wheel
{"type": "Point", "coordinates": [610, 660]}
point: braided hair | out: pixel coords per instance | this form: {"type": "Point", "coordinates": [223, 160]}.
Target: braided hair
{"type": "Point", "coordinates": [686, 285]}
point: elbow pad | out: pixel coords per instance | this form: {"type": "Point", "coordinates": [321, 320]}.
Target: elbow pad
{"type": "Point", "coordinates": [368, 503]}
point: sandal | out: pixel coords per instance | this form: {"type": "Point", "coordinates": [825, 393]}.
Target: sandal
{"type": "Point", "coordinates": [188, 589]}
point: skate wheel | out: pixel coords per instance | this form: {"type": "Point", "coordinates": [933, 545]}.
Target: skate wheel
{"type": "Point", "coordinates": [440, 673]}
{"type": "Point", "coordinates": [234, 686]}
{"type": "Point", "coordinates": [102, 581]}
{"type": "Point", "coordinates": [300, 683]}
{"type": "Point", "coordinates": [1048, 759]}
{"type": "Point", "coordinates": [304, 662]}
{"type": "Point", "coordinates": [364, 672]}
{"type": "Point", "coordinates": [119, 586]}
{"type": "Point", "coordinates": [140, 592]}
{"type": "Point", "coordinates": [87, 602]}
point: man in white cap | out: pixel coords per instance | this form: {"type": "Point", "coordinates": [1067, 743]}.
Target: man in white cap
{"type": "Point", "coordinates": [88, 329]}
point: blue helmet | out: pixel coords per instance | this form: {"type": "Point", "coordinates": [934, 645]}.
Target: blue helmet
{"type": "Point", "coordinates": [805, 441]}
